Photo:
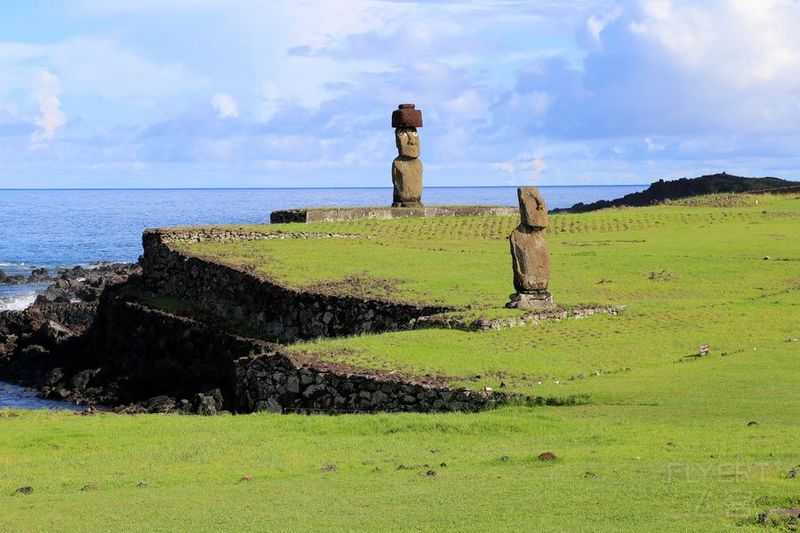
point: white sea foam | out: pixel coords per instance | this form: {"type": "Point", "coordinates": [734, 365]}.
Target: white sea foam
{"type": "Point", "coordinates": [18, 302]}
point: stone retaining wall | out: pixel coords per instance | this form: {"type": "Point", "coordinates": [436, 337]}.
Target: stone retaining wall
{"type": "Point", "coordinates": [265, 308]}
{"type": "Point", "coordinates": [233, 234]}
{"type": "Point", "coordinates": [532, 318]}
{"type": "Point", "coordinates": [342, 214]}
{"type": "Point", "coordinates": [275, 383]}
{"type": "Point", "coordinates": [157, 353]}
{"type": "Point", "coordinates": [153, 352]}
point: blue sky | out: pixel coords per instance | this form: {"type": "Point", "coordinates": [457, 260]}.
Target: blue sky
{"type": "Point", "coordinates": [249, 93]}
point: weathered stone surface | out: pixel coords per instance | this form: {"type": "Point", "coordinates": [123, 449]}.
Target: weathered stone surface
{"type": "Point", "coordinates": [530, 259]}
{"type": "Point", "coordinates": [339, 390]}
{"type": "Point", "coordinates": [532, 208]}
{"type": "Point", "coordinates": [407, 181]}
{"type": "Point", "coordinates": [407, 141]}
{"type": "Point", "coordinates": [541, 300]}
{"type": "Point", "coordinates": [407, 116]}
{"type": "Point", "coordinates": [782, 514]}
{"type": "Point", "coordinates": [149, 360]}
{"type": "Point", "coordinates": [52, 333]}
{"type": "Point", "coordinates": [538, 314]}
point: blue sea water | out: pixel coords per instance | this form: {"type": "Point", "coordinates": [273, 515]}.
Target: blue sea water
{"type": "Point", "coordinates": [64, 228]}
{"type": "Point", "coordinates": [69, 227]}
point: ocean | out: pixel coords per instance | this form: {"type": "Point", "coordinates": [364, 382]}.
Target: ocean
{"type": "Point", "coordinates": [63, 228]}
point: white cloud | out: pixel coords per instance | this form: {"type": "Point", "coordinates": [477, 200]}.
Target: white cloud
{"type": "Point", "coordinates": [527, 169]}
{"type": "Point", "coordinates": [562, 91]}
{"type": "Point", "coordinates": [468, 106]}
{"type": "Point", "coordinates": [535, 167]}
{"type": "Point", "coordinates": [269, 101]}
{"type": "Point", "coordinates": [95, 67]}
{"type": "Point", "coordinates": [595, 24]}
{"type": "Point", "coordinates": [504, 166]}
{"type": "Point", "coordinates": [741, 43]}
{"type": "Point", "coordinates": [51, 118]}
{"type": "Point", "coordinates": [102, 67]}
{"type": "Point", "coordinates": [225, 105]}
{"type": "Point", "coordinates": [653, 146]}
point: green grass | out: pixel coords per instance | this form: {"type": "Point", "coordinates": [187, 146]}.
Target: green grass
{"type": "Point", "coordinates": [686, 462]}
{"type": "Point", "coordinates": [667, 435]}
{"type": "Point", "coordinates": [465, 260]}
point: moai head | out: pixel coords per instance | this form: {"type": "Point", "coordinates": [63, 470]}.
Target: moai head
{"type": "Point", "coordinates": [532, 209]}
{"type": "Point", "coordinates": [406, 119]}
{"type": "Point", "coordinates": [407, 141]}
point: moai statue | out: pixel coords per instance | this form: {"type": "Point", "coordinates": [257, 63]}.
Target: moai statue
{"type": "Point", "coordinates": [529, 255]}
{"type": "Point", "coordinates": [407, 168]}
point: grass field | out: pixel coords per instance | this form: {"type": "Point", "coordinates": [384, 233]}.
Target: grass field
{"type": "Point", "coordinates": [663, 441]}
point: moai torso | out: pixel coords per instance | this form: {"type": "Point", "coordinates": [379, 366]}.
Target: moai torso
{"type": "Point", "coordinates": [407, 168]}
{"type": "Point", "coordinates": [531, 260]}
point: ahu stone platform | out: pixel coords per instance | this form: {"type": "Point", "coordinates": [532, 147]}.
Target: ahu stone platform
{"type": "Point", "coordinates": [342, 214]}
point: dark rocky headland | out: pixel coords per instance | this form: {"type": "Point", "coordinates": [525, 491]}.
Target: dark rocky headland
{"type": "Point", "coordinates": [662, 190]}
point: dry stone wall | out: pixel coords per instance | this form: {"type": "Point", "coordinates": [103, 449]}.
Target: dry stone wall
{"type": "Point", "coordinates": [342, 214]}
{"type": "Point", "coordinates": [275, 383]}
{"type": "Point", "coordinates": [152, 352]}
{"type": "Point", "coordinates": [267, 308]}
{"type": "Point", "coordinates": [231, 234]}
{"type": "Point", "coordinates": [157, 353]}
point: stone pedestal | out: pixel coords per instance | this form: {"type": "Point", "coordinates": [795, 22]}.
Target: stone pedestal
{"type": "Point", "coordinates": [532, 300]}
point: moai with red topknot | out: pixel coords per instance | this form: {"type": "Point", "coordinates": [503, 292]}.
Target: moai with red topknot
{"type": "Point", "coordinates": [407, 168]}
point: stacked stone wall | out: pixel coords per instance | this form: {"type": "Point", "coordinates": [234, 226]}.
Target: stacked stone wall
{"type": "Point", "coordinates": [158, 353]}
{"type": "Point", "coordinates": [275, 383]}
{"type": "Point", "coordinates": [265, 307]}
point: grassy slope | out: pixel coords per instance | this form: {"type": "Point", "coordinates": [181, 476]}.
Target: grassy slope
{"type": "Point", "coordinates": [669, 441]}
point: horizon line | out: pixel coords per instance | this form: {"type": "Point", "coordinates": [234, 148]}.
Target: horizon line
{"type": "Point", "coordinates": [300, 188]}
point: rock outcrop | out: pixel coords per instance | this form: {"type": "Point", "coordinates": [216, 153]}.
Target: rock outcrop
{"type": "Point", "coordinates": [684, 188]}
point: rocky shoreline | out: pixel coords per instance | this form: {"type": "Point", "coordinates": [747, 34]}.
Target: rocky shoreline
{"type": "Point", "coordinates": [50, 347]}
{"type": "Point", "coordinates": [63, 312]}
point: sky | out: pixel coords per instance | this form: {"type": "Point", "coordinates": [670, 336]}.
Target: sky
{"type": "Point", "coordinates": [272, 93]}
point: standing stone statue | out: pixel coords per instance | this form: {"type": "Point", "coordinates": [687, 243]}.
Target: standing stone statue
{"type": "Point", "coordinates": [407, 168]}
{"type": "Point", "coordinates": [530, 258]}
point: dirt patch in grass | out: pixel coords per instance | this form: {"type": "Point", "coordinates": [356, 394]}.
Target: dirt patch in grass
{"type": "Point", "coordinates": [358, 285]}
{"type": "Point", "coordinates": [327, 363]}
